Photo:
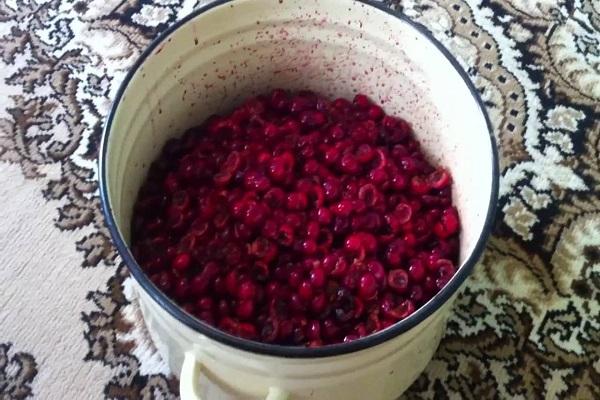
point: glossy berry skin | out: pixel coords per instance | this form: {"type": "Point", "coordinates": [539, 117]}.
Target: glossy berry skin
{"type": "Point", "coordinates": [367, 287]}
{"type": "Point", "coordinates": [296, 220]}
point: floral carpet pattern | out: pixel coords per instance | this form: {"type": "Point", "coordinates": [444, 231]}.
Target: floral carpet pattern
{"type": "Point", "coordinates": [527, 326]}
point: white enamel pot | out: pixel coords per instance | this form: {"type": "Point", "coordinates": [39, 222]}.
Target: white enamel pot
{"type": "Point", "coordinates": [223, 53]}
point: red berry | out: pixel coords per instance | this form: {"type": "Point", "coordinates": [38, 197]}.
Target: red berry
{"type": "Point", "coordinates": [247, 290]}
{"type": "Point", "coordinates": [349, 164]}
{"type": "Point", "coordinates": [181, 262]}
{"type": "Point", "coordinates": [396, 252]}
{"type": "Point", "coordinates": [245, 309]}
{"type": "Point", "coordinates": [343, 208]}
{"type": "Point", "coordinates": [439, 179]}
{"type": "Point", "coordinates": [367, 287]}
{"type": "Point", "coordinates": [416, 270]}
{"type": "Point", "coordinates": [182, 289]}
{"type": "Point", "coordinates": [419, 185]}
{"type": "Point", "coordinates": [398, 280]}
{"type": "Point", "coordinates": [312, 119]}
{"type": "Point", "coordinates": [375, 112]}
{"type": "Point", "coordinates": [361, 243]}
{"type": "Point", "coordinates": [379, 273]}
{"type": "Point", "coordinates": [313, 331]}
{"type": "Point", "coordinates": [318, 303]}
{"type": "Point", "coordinates": [361, 101]}
{"type": "Point", "coordinates": [205, 304]}
{"type": "Point", "coordinates": [305, 291]}
{"type": "Point", "coordinates": [282, 166]}
{"type": "Point", "coordinates": [297, 201]}
{"type": "Point", "coordinates": [256, 181]}
{"type": "Point", "coordinates": [317, 277]}
{"type": "Point", "coordinates": [232, 283]}
{"type": "Point", "coordinates": [255, 214]}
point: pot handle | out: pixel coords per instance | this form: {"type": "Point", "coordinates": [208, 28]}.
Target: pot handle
{"type": "Point", "coordinates": [190, 375]}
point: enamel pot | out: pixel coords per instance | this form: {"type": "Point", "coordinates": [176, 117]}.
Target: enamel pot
{"type": "Point", "coordinates": [223, 53]}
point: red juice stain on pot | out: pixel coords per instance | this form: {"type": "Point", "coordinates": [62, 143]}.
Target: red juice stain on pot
{"type": "Point", "coordinates": [297, 220]}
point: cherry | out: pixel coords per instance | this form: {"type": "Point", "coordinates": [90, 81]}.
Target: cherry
{"type": "Point", "coordinates": [297, 201]}
{"type": "Point", "coordinates": [245, 309]}
{"type": "Point", "coordinates": [281, 166]}
{"type": "Point", "coordinates": [318, 303]}
{"type": "Point", "coordinates": [317, 277]}
{"type": "Point", "coordinates": [398, 280]}
{"type": "Point", "coordinates": [439, 179]}
{"type": "Point", "coordinates": [247, 290]}
{"type": "Point", "coordinates": [254, 180]}
{"type": "Point", "coordinates": [305, 291]}
{"type": "Point", "coordinates": [395, 252]}
{"type": "Point", "coordinates": [361, 101]}
{"type": "Point", "coordinates": [312, 119]}
{"type": "Point", "coordinates": [367, 287]}
{"type": "Point", "coordinates": [416, 270]}
{"type": "Point", "coordinates": [313, 331]}
{"type": "Point", "coordinates": [205, 304]}
{"type": "Point", "coordinates": [361, 243]}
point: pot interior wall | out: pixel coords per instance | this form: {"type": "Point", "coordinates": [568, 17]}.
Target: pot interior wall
{"type": "Point", "coordinates": [244, 48]}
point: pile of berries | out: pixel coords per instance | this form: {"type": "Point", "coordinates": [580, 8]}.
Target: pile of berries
{"type": "Point", "coordinates": [295, 220]}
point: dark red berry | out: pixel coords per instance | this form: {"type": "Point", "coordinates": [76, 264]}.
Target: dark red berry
{"type": "Point", "coordinates": [361, 101]}
{"type": "Point", "coordinates": [297, 201]}
{"type": "Point", "coordinates": [313, 330]}
{"type": "Point", "coordinates": [317, 277]}
{"type": "Point", "coordinates": [282, 166]}
{"type": "Point", "coordinates": [318, 303]}
{"type": "Point", "coordinates": [398, 280]}
{"type": "Point", "coordinates": [396, 252]}
{"type": "Point", "coordinates": [416, 270]}
{"type": "Point", "coordinates": [305, 291]}
{"type": "Point", "coordinates": [312, 119]}
{"type": "Point", "coordinates": [439, 179]}
{"type": "Point", "coordinates": [367, 287]}
{"type": "Point", "coordinates": [181, 262]}
{"type": "Point", "coordinates": [245, 309]}
{"type": "Point", "coordinates": [247, 290]}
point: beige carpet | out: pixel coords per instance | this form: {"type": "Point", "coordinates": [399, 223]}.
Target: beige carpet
{"type": "Point", "coordinates": [526, 327]}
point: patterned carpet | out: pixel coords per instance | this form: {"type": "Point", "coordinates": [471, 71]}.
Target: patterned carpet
{"type": "Point", "coordinates": [526, 327]}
